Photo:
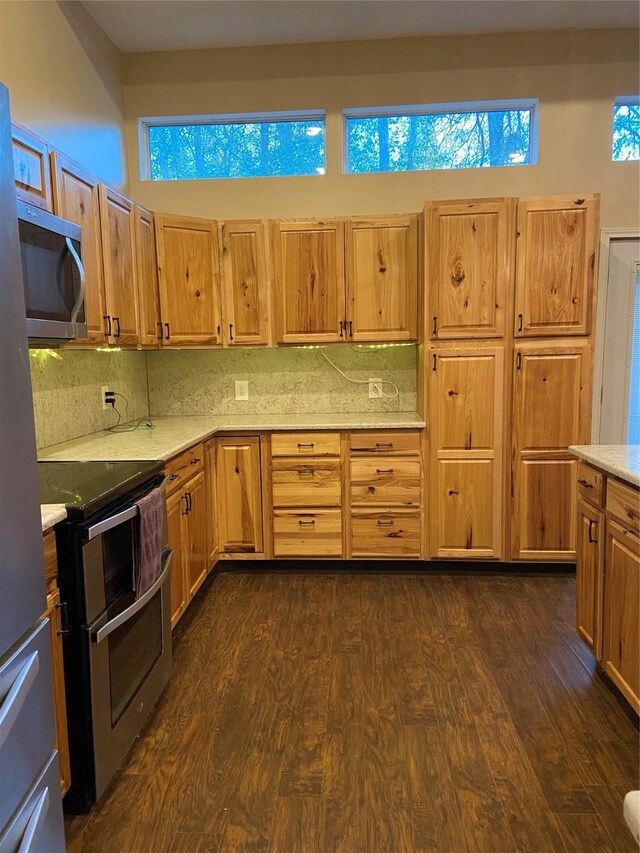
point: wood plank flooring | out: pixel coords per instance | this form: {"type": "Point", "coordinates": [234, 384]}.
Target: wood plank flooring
{"type": "Point", "coordinates": [376, 712]}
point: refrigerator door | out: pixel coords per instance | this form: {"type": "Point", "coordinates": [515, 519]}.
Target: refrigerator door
{"type": "Point", "coordinates": [38, 826]}
{"type": "Point", "coordinates": [22, 593]}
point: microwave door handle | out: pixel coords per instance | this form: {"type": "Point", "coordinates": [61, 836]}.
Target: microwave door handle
{"type": "Point", "coordinates": [83, 279]}
{"type": "Point", "coordinates": [102, 633]}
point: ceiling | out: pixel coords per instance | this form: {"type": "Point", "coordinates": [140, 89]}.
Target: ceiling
{"type": "Point", "coordinates": [144, 25]}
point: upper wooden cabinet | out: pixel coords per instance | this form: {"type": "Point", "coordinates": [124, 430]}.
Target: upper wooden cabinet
{"type": "Point", "coordinates": [75, 197]}
{"type": "Point", "coordinates": [188, 268]}
{"type": "Point", "coordinates": [469, 256]}
{"type": "Point", "coordinates": [382, 278]}
{"type": "Point", "coordinates": [150, 327]}
{"type": "Point", "coordinates": [245, 282]}
{"type": "Point", "coordinates": [119, 256]}
{"type": "Point", "coordinates": [31, 167]}
{"type": "Point", "coordinates": [239, 494]}
{"type": "Point", "coordinates": [308, 263]}
{"type": "Point", "coordinates": [556, 261]}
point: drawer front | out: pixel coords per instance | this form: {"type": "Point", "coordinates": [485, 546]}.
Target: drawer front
{"type": "Point", "coordinates": [385, 480]}
{"type": "Point", "coordinates": [403, 443]}
{"type": "Point", "coordinates": [27, 734]}
{"type": "Point", "coordinates": [50, 557]}
{"type": "Point", "coordinates": [314, 482]}
{"type": "Point", "coordinates": [385, 534]}
{"type": "Point", "coordinates": [182, 468]}
{"type": "Point", "coordinates": [305, 444]}
{"type": "Point", "coordinates": [40, 813]}
{"type": "Point", "coordinates": [623, 503]}
{"type": "Point", "coordinates": [316, 533]}
{"type": "Point", "coordinates": [590, 484]}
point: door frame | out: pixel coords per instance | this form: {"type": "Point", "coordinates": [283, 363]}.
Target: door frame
{"type": "Point", "coordinates": [607, 236]}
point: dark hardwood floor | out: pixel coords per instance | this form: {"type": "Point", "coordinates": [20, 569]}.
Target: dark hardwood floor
{"type": "Point", "coordinates": [376, 712]}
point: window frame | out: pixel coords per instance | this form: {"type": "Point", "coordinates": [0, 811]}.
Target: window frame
{"type": "Point", "coordinates": [146, 122]}
{"type": "Point", "coordinates": [532, 104]}
{"type": "Point", "coordinates": [621, 101]}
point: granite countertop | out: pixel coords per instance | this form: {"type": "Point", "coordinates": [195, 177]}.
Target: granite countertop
{"type": "Point", "coordinates": [171, 436]}
{"type": "Point", "coordinates": [51, 514]}
{"type": "Point", "coordinates": [620, 460]}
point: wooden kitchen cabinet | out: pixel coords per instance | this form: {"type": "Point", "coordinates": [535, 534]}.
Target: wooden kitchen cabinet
{"type": "Point", "coordinates": [239, 494]}
{"type": "Point", "coordinates": [308, 276]}
{"type": "Point", "coordinates": [589, 565]}
{"type": "Point", "coordinates": [189, 277]}
{"type": "Point", "coordinates": [557, 246]}
{"type": "Point", "coordinates": [245, 283]}
{"type": "Point", "coordinates": [150, 328]}
{"type": "Point", "coordinates": [212, 520]}
{"type": "Point", "coordinates": [119, 258]}
{"type": "Point", "coordinates": [76, 198]}
{"type": "Point", "coordinates": [196, 536]}
{"type": "Point", "coordinates": [59, 694]}
{"type": "Point", "coordinates": [382, 278]}
{"type": "Point", "coordinates": [469, 267]}
{"type": "Point", "coordinates": [176, 507]}
{"type": "Point", "coordinates": [551, 410]}
{"type": "Point", "coordinates": [31, 168]}
{"type": "Point", "coordinates": [466, 395]}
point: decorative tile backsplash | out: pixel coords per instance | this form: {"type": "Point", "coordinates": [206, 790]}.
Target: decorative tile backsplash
{"type": "Point", "coordinates": [284, 380]}
{"type": "Point", "coordinates": [67, 387]}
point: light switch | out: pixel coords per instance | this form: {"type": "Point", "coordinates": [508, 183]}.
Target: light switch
{"type": "Point", "coordinates": [242, 389]}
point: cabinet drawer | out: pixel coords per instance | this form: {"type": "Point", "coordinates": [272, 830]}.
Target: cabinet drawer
{"type": "Point", "coordinates": [305, 444]}
{"type": "Point", "coordinates": [314, 533]}
{"type": "Point", "coordinates": [314, 482]}
{"type": "Point", "coordinates": [590, 483]}
{"type": "Point", "coordinates": [406, 442]}
{"type": "Point", "coordinates": [182, 468]}
{"type": "Point", "coordinates": [50, 557]}
{"type": "Point", "coordinates": [623, 503]}
{"type": "Point", "coordinates": [385, 480]}
{"type": "Point", "coordinates": [385, 534]}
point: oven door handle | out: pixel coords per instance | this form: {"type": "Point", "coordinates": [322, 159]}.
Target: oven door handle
{"type": "Point", "coordinates": [102, 633]}
{"type": "Point", "coordinates": [113, 521]}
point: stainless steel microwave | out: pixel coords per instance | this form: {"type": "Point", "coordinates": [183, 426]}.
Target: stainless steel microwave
{"type": "Point", "coordinates": [53, 276]}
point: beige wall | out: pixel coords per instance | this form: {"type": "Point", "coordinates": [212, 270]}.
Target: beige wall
{"type": "Point", "coordinates": [576, 76]}
{"type": "Point", "coordinates": [64, 80]}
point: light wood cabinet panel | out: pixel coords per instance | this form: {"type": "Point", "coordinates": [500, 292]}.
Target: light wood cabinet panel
{"type": "Point", "coordinates": [308, 264]}
{"type": "Point", "coordinates": [308, 533]}
{"type": "Point", "coordinates": [386, 443]}
{"type": "Point", "coordinates": [589, 567]}
{"type": "Point", "coordinates": [379, 533]}
{"type": "Point", "coordinates": [382, 278]}
{"type": "Point", "coordinates": [59, 694]}
{"type": "Point", "coordinates": [31, 168]}
{"type": "Point", "coordinates": [245, 282]}
{"type": "Point", "coordinates": [621, 612]}
{"type": "Point", "coordinates": [239, 493]}
{"type": "Point", "coordinates": [176, 507]}
{"type": "Point", "coordinates": [556, 262]}
{"type": "Point", "coordinates": [623, 503]}
{"type": "Point", "coordinates": [469, 266]}
{"type": "Point", "coordinates": [189, 277]}
{"type": "Point", "coordinates": [75, 197]}
{"type": "Point", "coordinates": [545, 507]}
{"type": "Point", "coordinates": [385, 481]}
{"type": "Point", "coordinates": [119, 253]}
{"type": "Point", "coordinates": [151, 330]}
{"type": "Point", "coordinates": [196, 534]}
{"type": "Point", "coordinates": [312, 483]}
{"type": "Point", "coordinates": [210, 474]}
{"type": "Point", "coordinates": [591, 484]}
{"type": "Point", "coordinates": [305, 444]}
{"type": "Point", "coordinates": [466, 397]}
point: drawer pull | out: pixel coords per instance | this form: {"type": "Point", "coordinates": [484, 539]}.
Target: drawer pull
{"type": "Point", "coordinates": [585, 483]}
{"type": "Point", "coordinates": [387, 445]}
{"type": "Point", "coordinates": [173, 477]}
{"type": "Point", "coordinates": [302, 444]}
{"type": "Point", "coordinates": [303, 523]}
{"type": "Point", "coordinates": [592, 524]}
{"type": "Point", "coordinates": [385, 522]}
{"type": "Point", "coordinates": [195, 461]}
{"type": "Point", "coordinates": [308, 471]}
{"type": "Point", "coordinates": [384, 470]}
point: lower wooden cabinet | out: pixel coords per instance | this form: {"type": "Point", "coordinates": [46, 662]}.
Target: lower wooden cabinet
{"type": "Point", "coordinates": [393, 533]}
{"type": "Point", "coordinates": [59, 697]}
{"type": "Point", "coordinates": [176, 506]}
{"type": "Point", "coordinates": [589, 574]}
{"type": "Point", "coordinates": [239, 495]}
{"type": "Point", "coordinates": [307, 533]}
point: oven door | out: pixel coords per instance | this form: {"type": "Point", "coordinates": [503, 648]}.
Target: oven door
{"type": "Point", "coordinates": [130, 664]}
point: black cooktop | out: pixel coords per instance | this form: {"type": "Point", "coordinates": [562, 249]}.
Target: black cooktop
{"type": "Point", "coordinates": [87, 487]}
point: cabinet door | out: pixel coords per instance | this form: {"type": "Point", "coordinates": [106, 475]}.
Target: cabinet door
{"type": "Point", "coordinates": [188, 269]}
{"type": "Point", "coordinates": [59, 695]}
{"type": "Point", "coordinates": [147, 280]}
{"type": "Point", "coordinates": [556, 265]}
{"type": "Point", "coordinates": [245, 283]}
{"type": "Point", "coordinates": [382, 279]}
{"type": "Point", "coordinates": [551, 402]}
{"type": "Point", "coordinates": [308, 259]}
{"type": "Point", "coordinates": [176, 511]}
{"type": "Point", "coordinates": [239, 494]}
{"type": "Point", "coordinates": [469, 257]}
{"type": "Point", "coordinates": [589, 575]}
{"type": "Point", "coordinates": [621, 619]}
{"type": "Point", "coordinates": [212, 521]}
{"type": "Point", "coordinates": [466, 412]}
{"type": "Point", "coordinates": [119, 252]}
{"type": "Point", "coordinates": [31, 167]}
{"type": "Point", "coordinates": [196, 541]}
{"type": "Point", "coordinates": [75, 197]}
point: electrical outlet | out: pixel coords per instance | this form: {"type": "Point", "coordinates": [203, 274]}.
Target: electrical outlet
{"type": "Point", "coordinates": [242, 389]}
{"type": "Point", "coordinates": [105, 391]}
{"type": "Point", "coordinates": [375, 389]}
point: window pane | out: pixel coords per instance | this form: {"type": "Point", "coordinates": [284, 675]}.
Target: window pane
{"type": "Point", "coordinates": [633, 424]}
{"type": "Point", "coordinates": [239, 149]}
{"type": "Point", "coordinates": [626, 131]}
{"type": "Point", "coordinates": [453, 140]}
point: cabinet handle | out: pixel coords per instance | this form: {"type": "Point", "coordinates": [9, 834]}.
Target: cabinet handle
{"type": "Point", "coordinates": [64, 618]}
{"type": "Point", "coordinates": [167, 337]}
{"type": "Point", "coordinates": [302, 444]}
{"type": "Point", "coordinates": [435, 326]}
{"type": "Point", "coordinates": [107, 317]}
{"type": "Point", "coordinates": [519, 361]}
{"type": "Point", "coordinates": [384, 445]}
{"type": "Point", "coordinates": [350, 329]}
{"type": "Point", "coordinates": [310, 471]}
{"type": "Point", "coordinates": [230, 331]}
{"type": "Point", "coordinates": [116, 320]}
{"type": "Point", "coordinates": [592, 524]}
{"type": "Point", "coordinates": [195, 461]}
{"type": "Point", "coordinates": [520, 322]}
{"type": "Point", "coordinates": [384, 470]}
{"type": "Point", "coordinates": [189, 502]}
{"type": "Point", "coordinates": [186, 504]}
{"type": "Point", "coordinates": [303, 523]}
{"type": "Point", "coordinates": [385, 522]}
{"type": "Point", "coordinates": [342, 325]}
{"type": "Point", "coordinates": [585, 483]}
{"type": "Point", "coordinates": [159, 325]}
{"type": "Point", "coordinates": [435, 361]}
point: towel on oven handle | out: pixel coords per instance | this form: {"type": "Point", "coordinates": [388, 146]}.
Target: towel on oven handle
{"type": "Point", "coordinates": [150, 545]}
